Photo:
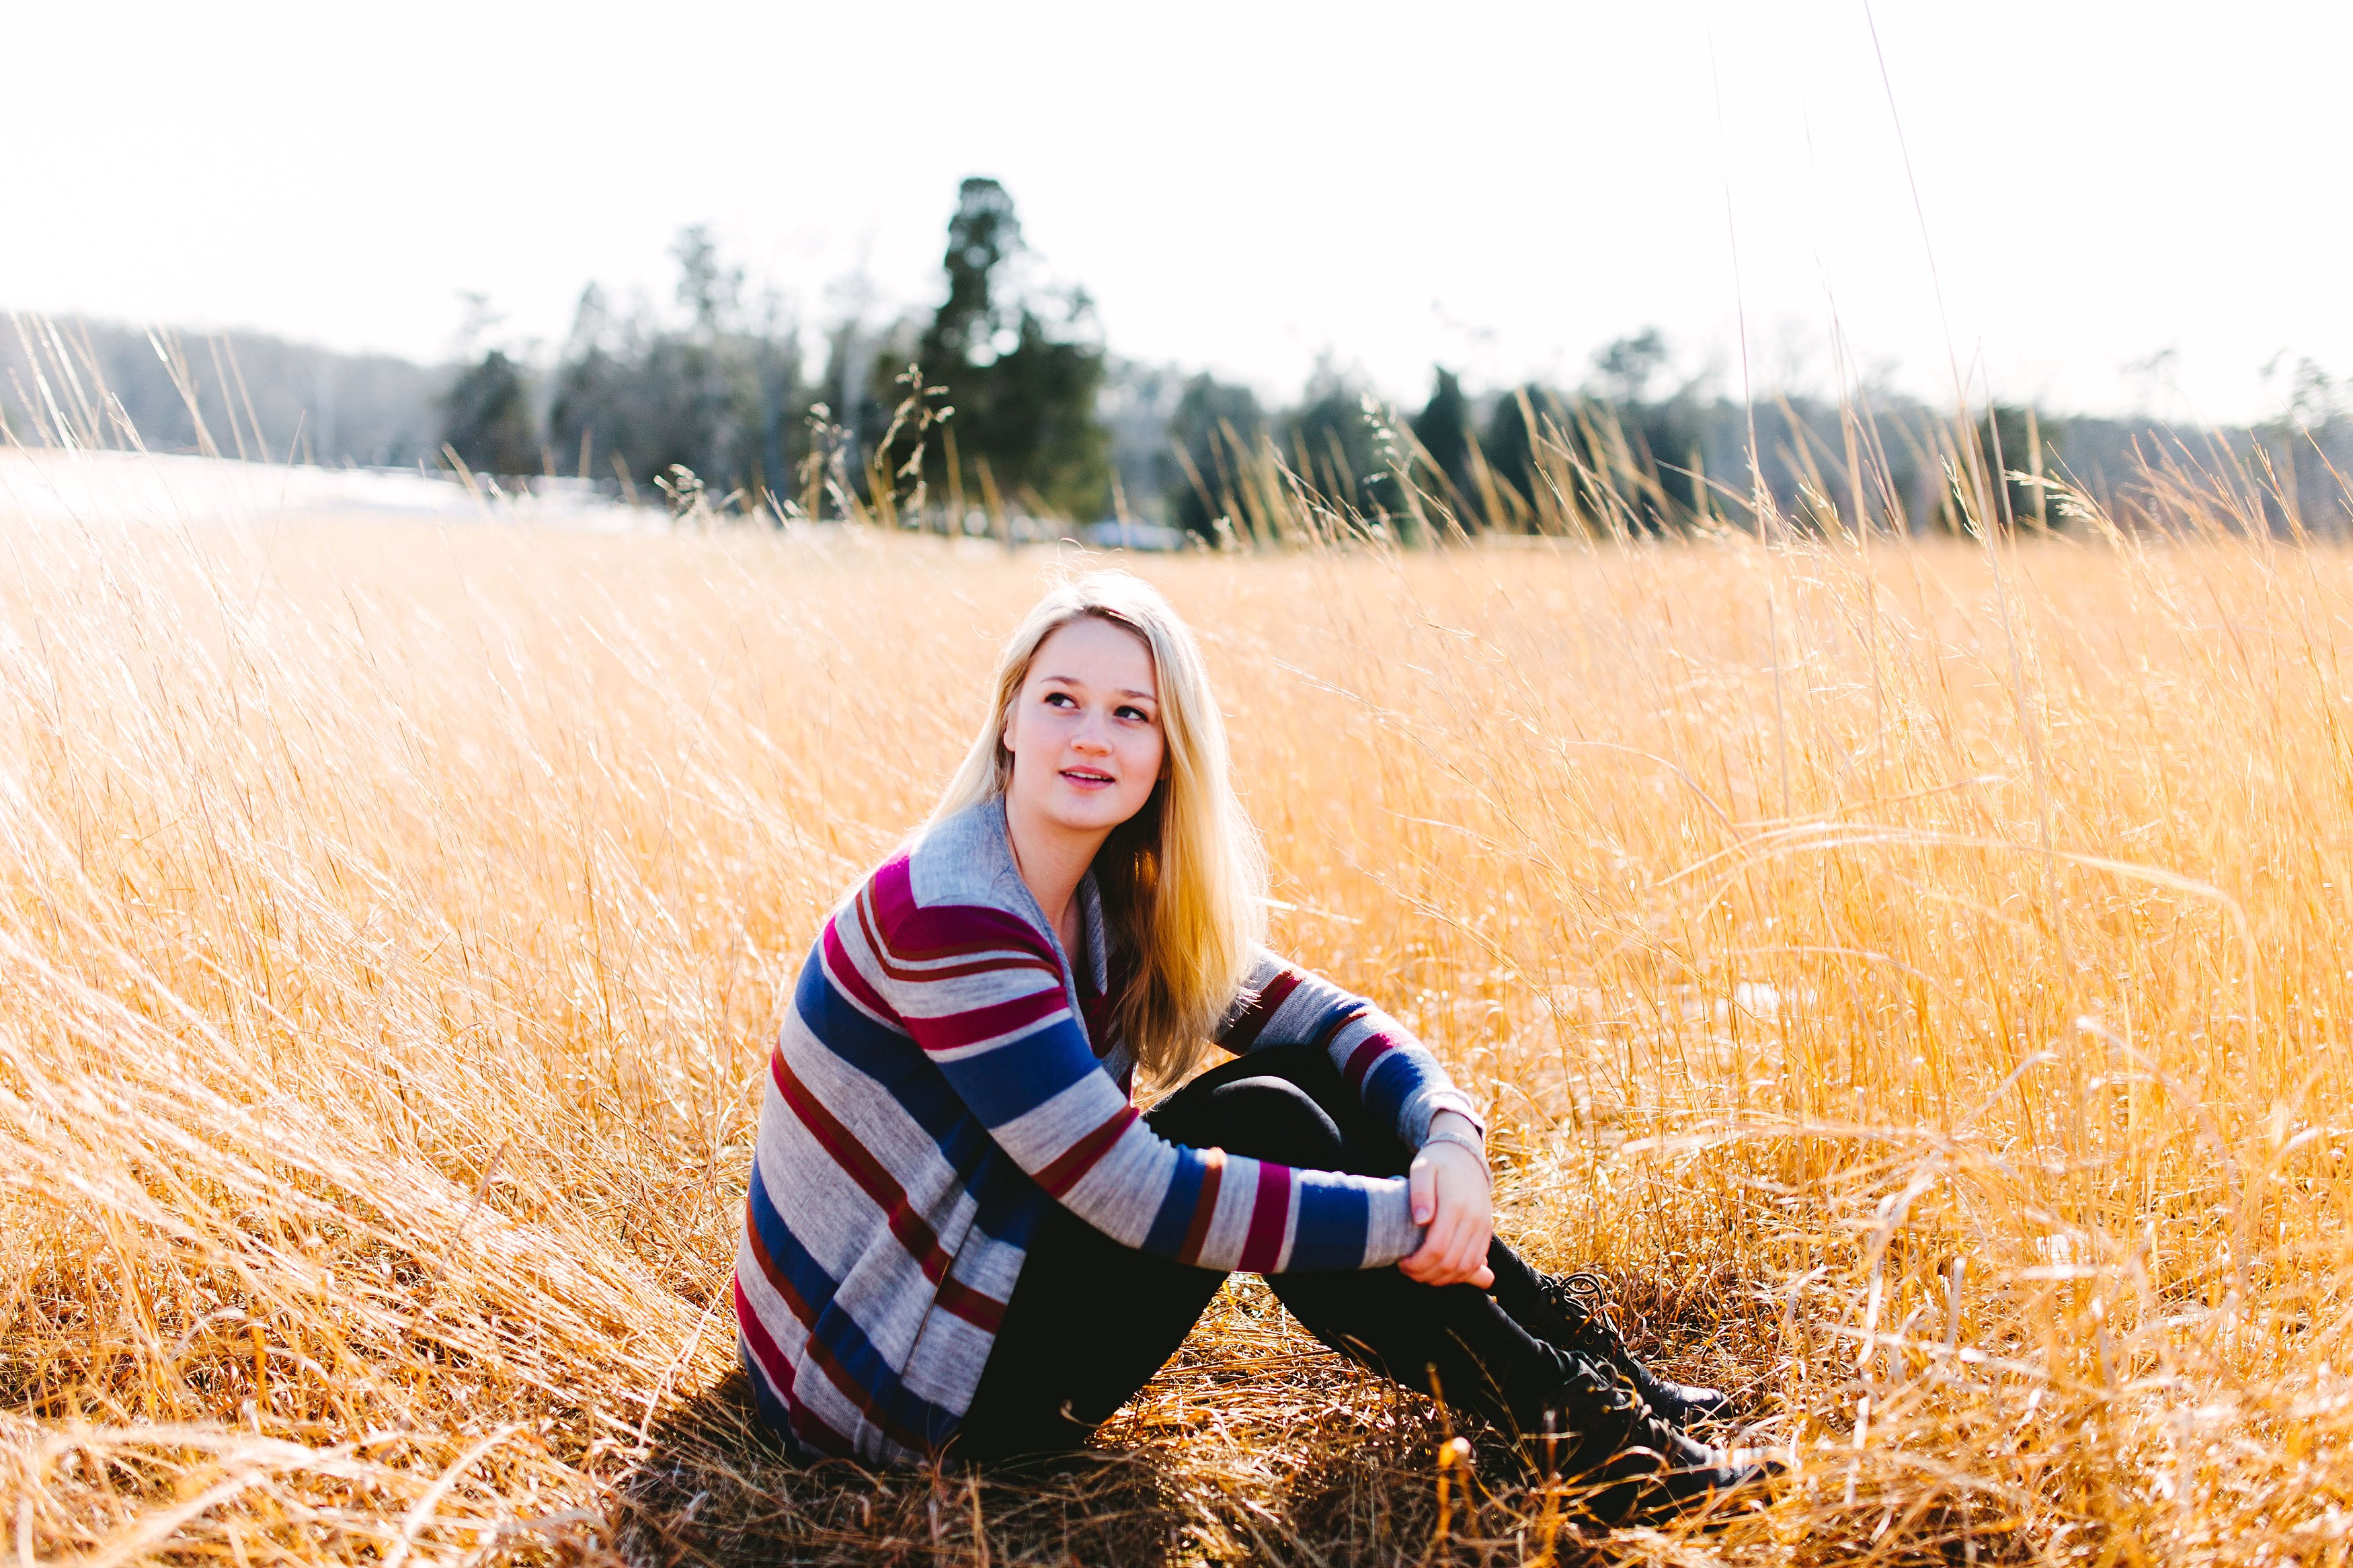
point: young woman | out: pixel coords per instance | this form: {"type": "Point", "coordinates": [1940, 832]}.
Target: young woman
{"type": "Point", "coordinates": [963, 1236]}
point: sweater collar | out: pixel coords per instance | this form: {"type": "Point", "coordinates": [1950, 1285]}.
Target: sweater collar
{"type": "Point", "coordinates": [1091, 910]}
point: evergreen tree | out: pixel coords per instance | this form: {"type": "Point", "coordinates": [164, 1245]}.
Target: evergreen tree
{"type": "Point", "coordinates": [1022, 368]}
{"type": "Point", "coordinates": [973, 326]}
{"type": "Point", "coordinates": [1625, 367]}
{"type": "Point", "coordinates": [487, 419]}
{"type": "Point", "coordinates": [1328, 440]}
{"type": "Point", "coordinates": [1215, 426]}
{"type": "Point", "coordinates": [1443, 428]}
{"type": "Point", "coordinates": [1510, 446]}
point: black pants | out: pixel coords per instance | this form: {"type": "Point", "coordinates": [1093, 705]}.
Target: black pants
{"type": "Point", "coordinates": [1091, 1321]}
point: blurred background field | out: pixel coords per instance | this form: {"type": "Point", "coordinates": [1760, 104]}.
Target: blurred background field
{"type": "Point", "coordinates": [1909, 968]}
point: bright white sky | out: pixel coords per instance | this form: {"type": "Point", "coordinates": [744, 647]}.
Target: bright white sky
{"type": "Point", "coordinates": [1499, 187]}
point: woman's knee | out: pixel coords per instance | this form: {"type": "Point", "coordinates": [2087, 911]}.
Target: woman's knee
{"type": "Point", "coordinates": [1263, 1118]}
{"type": "Point", "coordinates": [1373, 1149]}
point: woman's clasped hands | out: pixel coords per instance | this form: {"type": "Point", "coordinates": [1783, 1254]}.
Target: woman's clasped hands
{"type": "Point", "coordinates": [1452, 1196]}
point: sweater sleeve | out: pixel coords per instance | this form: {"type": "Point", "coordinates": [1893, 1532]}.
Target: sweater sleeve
{"type": "Point", "coordinates": [1399, 1081]}
{"type": "Point", "coordinates": [981, 992]}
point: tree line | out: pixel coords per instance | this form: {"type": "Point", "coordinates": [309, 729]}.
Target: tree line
{"type": "Point", "coordinates": [1004, 400]}
{"type": "Point", "coordinates": [1019, 405]}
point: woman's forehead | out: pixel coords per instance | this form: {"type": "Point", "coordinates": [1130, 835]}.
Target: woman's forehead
{"type": "Point", "coordinates": [1095, 651]}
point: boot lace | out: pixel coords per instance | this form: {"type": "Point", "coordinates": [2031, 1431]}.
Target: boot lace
{"type": "Point", "coordinates": [1583, 1300]}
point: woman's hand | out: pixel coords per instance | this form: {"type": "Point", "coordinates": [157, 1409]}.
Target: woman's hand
{"type": "Point", "coordinates": [1447, 1186]}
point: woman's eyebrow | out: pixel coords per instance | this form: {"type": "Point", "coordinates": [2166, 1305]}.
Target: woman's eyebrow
{"type": "Point", "coordinates": [1125, 691]}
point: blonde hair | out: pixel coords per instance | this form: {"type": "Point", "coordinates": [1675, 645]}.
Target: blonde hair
{"type": "Point", "coordinates": [1183, 881]}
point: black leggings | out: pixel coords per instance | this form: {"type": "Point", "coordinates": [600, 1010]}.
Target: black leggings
{"type": "Point", "coordinates": [1091, 1321]}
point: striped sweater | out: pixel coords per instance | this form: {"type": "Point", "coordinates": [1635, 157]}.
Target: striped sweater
{"type": "Point", "coordinates": [944, 1075]}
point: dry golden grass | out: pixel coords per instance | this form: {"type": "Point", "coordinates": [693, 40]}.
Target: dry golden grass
{"type": "Point", "coordinates": [1930, 1011]}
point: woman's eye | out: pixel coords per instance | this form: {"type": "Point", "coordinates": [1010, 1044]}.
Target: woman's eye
{"type": "Point", "coordinates": [1059, 699]}
{"type": "Point", "coordinates": [1138, 714]}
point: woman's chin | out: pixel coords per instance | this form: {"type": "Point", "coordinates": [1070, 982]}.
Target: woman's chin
{"type": "Point", "coordinates": [1089, 812]}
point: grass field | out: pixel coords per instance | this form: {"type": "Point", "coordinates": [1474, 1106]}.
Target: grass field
{"type": "Point", "coordinates": [1915, 975]}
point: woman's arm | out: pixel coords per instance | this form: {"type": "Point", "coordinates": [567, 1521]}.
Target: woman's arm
{"type": "Point", "coordinates": [1403, 1086]}
{"type": "Point", "coordinates": [980, 991]}
{"type": "Point", "coordinates": [1400, 1083]}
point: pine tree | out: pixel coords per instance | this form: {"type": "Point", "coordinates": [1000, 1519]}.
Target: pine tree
{"type": "Point", "coordinates": [1022, 368]}
{"type": "Point", "coordinates": [487, 418]}
{"type": "Point", "coordinates": [1443, 428]}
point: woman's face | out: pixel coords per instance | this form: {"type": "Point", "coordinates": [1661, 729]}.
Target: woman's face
{"type": "Point", "coordinates": [1085, 730]}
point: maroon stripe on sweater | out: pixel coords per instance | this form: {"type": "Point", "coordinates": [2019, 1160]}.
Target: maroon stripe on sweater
{"type": "Point", "coordinates": [951, 1030]}
{"type": "Point", "coordinates": [1367, 1051]}
{"type": "Point", "coordinates": [1260, 1012]}
{"type": "Point", "coordinates": [1080, 1158]}
{"type": "Point", "coordinates": [806, 1425]}
{"type": "Point", "coordinates": [845, 976]}
{"type": "Point", "coordinates": [863, 1168]}
{"type": "Point", "coordinates": [981, 1311]}
{"type": "Point", "coordinates": [1269, 1218]}
{"type": "Point", "coordinates": [1001, 955]}
{"type": "Point", "coordinates": [1204, 1207]}
{"type": "Point", "coordinates": [909, 1227]}
{"type": "Point", "coordinates": [946, 930]}
{"type": "Point", "coordinates": [819, 1355]}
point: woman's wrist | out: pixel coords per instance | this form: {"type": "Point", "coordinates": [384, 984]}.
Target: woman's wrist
{"type": "Point", "coordinates": [1448, 1127]}
{"type": "Point", "coordinates": [1451, 1126]}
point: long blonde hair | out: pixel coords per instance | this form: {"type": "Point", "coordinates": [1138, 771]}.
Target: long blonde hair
{"type": "Point", "coordinates": [1183, 881]}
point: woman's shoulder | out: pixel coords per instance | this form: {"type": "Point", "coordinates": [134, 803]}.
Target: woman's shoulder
{"type": "Point", "coordinates": [958, 869]}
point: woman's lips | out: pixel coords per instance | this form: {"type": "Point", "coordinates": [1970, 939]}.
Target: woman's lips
{"type": "Point", "coordinates": [1081, 778]}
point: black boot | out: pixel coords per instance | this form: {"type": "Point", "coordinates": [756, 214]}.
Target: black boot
{"type": "Point", "coordinates": [1633, 1464]}
{"type": "Point", "coordinates": [1569, 1312]}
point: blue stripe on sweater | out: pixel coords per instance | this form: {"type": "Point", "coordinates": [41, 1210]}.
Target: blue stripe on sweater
{"type": "Point", "coordinates": [890, 1058]}
{"type": "Point", "coordinates": [1333, 1220]}
{"type": "Point", "coordinates": [1009, 1205]}
{"type": "Point", "coordinates": [1174, 1217]}
{"type": "Point", "coordinates": [1004, 1192]}
{"type": "Point", "coordinates": [1017, 1077]}
{"type": "Point", "coordinates": [772, 1409]}
{"type": "Point", "coordinates": [838, 1333]}
{"type": "Point", "coordinates": [1386, 1088]}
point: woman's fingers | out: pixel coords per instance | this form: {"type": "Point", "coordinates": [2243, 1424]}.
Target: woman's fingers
{"type": "Point", "coordinates": [1432, 1262]}
{"type": "Point", "coordinates": [1421, 1187]}
{"type": "Point", "coordinates": [1432, 1271]}
{"type": "Point", "coordinates": [1462, 1200]}
{"type": "Point", "coordinates": [1463, 1255]}
{"type": "Point", "coordinates": [1446, 1271]}
{"type": "Point", "coordinates": [1454, 1249]}
{"type": "Point", "coordinates": [1450, 1197]}
{"type": "Point", "coordinates": [1468, 1251]}
{"type": "Point", "coordinates": [1428, 1259]}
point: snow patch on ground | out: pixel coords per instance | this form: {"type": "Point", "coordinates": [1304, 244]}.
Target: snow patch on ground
{"type": "Point", "coordinates": [52, 486]}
